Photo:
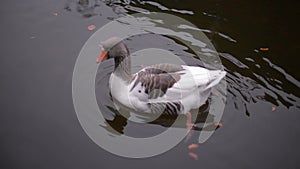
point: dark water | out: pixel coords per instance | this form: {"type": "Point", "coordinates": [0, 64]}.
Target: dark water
{"type": "Point", "coordinates": [39, 127]}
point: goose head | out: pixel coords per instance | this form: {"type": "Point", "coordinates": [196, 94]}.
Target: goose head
{"type": "Point", "coordinates": [113, 48]}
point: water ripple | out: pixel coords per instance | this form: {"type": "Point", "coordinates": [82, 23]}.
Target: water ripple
{"type": "Point", "coordinates": [247, 86]}
{"type": "Point", "coordinates": [250, 80]}
{"type": "Point", "coordinates": [280, 70]}
{"type": "Point", "coordinates": [163, 8]}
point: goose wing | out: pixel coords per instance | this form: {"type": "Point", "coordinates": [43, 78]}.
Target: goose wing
{"type": "Point", "coordinates": [172, 82]}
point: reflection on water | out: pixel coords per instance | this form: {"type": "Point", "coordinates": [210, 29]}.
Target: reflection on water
{"type": "Point", "coordinates": [250, 79]}
{"type": "Point", "coordinates": [86, 8]}
{"type": "Point", "coordinates": [119, 122]}
{"type": "Point", "coordinates": [255, 82]}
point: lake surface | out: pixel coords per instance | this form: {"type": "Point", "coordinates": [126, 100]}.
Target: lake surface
{"type": "Point", "coordinates": [257, 42]}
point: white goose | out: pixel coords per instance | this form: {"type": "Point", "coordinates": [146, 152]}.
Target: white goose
{"type": "Point", "coordinates": [161, 88]}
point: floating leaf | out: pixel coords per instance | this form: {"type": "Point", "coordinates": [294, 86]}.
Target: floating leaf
{"type": "Point", "coordinates": [273, 108]}
{"type": "Point", "coordinates": [91, 27]}
{"type": "Point", "coordinates": [193, 146]}
{"type": "Point", "coordinates": [264, 49]}
{"type": "Point", "coordinates": [55, 13]}
{"type": "Point", "coordinates": [194, 156]}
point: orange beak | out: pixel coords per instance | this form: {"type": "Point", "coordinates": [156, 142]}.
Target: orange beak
{"type": "Point", "coordinates": [102, 56]}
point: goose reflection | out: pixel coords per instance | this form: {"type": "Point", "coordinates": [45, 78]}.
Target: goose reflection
{"type": "Point", "coordinates": [118, 123]}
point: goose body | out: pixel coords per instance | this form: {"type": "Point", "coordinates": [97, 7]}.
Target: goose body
{"type": "Point", "coordinates": [161, 88]}
{"type": "Point", "coordinates": [152, 91]}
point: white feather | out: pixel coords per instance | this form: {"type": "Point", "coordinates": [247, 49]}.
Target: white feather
{"type": "Point", "coordinates": [192, 90]}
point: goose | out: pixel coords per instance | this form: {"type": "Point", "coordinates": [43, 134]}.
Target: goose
{"type": "Point", "coordinates": [161, 88]}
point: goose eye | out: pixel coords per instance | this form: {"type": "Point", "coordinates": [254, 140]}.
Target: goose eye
{"type": "Point", "coordinates": [139, 91]}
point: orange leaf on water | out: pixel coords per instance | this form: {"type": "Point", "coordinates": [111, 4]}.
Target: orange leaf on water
{"type": "Point", "coordinates": [91, 27]}
{"type": "Point", "coordinates": [55, 13]}
{"type": "Point", "coordinates": [193, 146]}
{"type": "Point", "coordinates": [264, 49]}
{"type": "Point", "coordinates": [194, 156]}
{"type": "Point", "coordinates": [273, 108]}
